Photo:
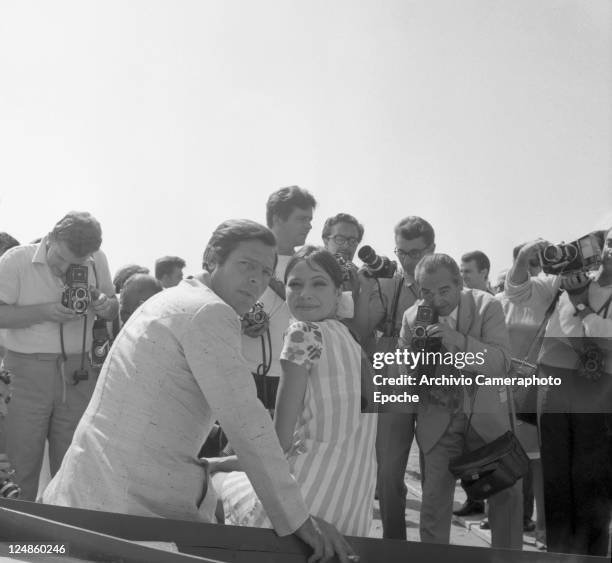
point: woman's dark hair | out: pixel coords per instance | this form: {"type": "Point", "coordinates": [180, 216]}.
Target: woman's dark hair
{"type": "Point", "coordinates": [228, 235]}
{"type": "Point", "coordinates": [316, 255]}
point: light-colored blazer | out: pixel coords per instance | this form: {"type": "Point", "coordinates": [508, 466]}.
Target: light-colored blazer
{"type": "Point", "coordinates": [481, 319]}
{"type": "Point", "coordinates": [174, 369]}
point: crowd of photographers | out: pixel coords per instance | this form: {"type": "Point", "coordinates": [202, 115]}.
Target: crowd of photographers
{"type": "Point", "coordinates": [550, 314]}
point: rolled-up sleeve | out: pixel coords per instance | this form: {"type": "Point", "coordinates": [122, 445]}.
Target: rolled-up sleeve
{"type": "Point", "coordinates": [213, 351]}
{"type": "Point", "coordinates": [542, 289]}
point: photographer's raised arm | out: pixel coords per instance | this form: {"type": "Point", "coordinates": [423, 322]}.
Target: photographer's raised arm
{"type": "Point", "coordinates": [24, 316]}
{"type": "Point", "coordinates": [519, 272]}
{"type": "Point", "coordinates": [520, 288]}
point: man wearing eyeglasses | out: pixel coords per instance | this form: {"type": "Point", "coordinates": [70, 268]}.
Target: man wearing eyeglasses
{"type": "Point", "coordinates": [380, 308]}
{"type": "Point", "coordinates": [342, 234]}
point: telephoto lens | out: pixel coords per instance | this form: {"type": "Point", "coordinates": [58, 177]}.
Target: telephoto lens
{"type": "Point", "coordinates": [378, 266]}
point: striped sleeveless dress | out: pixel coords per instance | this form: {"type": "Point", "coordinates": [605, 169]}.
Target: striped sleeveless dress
{"type": "Point", "coordinates": [332, 454]}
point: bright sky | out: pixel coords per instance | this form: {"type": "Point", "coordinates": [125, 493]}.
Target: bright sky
{"type": "Point", "coordinates": [492, 119]}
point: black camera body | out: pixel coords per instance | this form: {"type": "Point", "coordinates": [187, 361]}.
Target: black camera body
{"type": "Point", "coordinates": [76, 295]}
{"type": "Point", "coordinates": [378, 266]}
{"type": "Point", "coordinates": [346, 267]}
{"type": "Point", "coordinates": [255, 318]}
{"type": "Point", "coordinates": [592, 362]}
{"type": "Point", "coordinates": [100, 344]}
{"type": "Point", "coordinates": [581, 255]}
{"type": "Point", "coordinates": [420, 341]}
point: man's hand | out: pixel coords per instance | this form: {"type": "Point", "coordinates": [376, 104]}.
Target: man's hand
{"type": "Point", "coordinates": [532, 249]}
{"type": "Point", "coordinates": [449, 336]}
{"type": "Point", "coordinates": [325, 541]}
{"type": "Point", "coordinates": [576, 285]}
{"type": "Point", "coordinates": [57, 313]}
{"type": "Point", "coordinates": [519, 272]}
{"type": "Point", "coordinates": [101, 305]}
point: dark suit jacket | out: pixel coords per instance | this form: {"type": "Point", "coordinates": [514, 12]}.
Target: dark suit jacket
{"type": "Point", "coordinates": [481, 319]}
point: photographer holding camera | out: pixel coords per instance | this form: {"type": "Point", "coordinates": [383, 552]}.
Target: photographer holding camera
{"type": "Point", "coordinates": [341, 235]}
{"type": "Point", "coordinates": [575, 416]}
{"type": "Point", "coordinates": [49, 295]}
{"type": "Point", "coordinates": [454, 418]}
{"type": "Point", "coordinates": [384, 295]}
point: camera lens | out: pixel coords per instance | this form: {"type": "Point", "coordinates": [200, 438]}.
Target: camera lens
{"type": "Point", "coordinates": [553, 253]}
{"type": "Point", "coordinates": [420, 332]}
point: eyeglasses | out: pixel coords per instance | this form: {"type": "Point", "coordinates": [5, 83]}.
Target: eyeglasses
{"type": "Point", "coordinates": [341, 240]}
{"type": "Point", "coordinates": [414, 253]}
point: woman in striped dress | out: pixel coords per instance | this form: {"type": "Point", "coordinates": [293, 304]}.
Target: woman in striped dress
{"type": "Point", "coordinates": [328, 442]}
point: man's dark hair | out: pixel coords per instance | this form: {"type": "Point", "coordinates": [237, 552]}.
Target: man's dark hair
{"type": "Point", "coordinates": [412, 227]}
{"type": "Point", "coordinates": [7, 242]}
{"type": "Point", "coordinates": [282, 202]}
{"type": "Point", "coordinates": [165, 265]}
{"type": "Point", "coordinates": [124, 273]}
{"type": "Point", "coordinates": [80, 231]}
{"type": "Point", "coordinates": [481, 259]}
{"type": "Point", "coordinates": [433, 262]}
{"type": "Point", "coordinates": [320, 257]}
{"type": "Point", "coordinates": [136, 290]}
{"type": "Point", "coordinates": [341, 218]}
{"type": "Point", "coordinates": [142, 283]}
{"type": "Point", "coordinates": [228, 235]}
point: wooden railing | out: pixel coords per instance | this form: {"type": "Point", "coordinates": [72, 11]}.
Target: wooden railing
{"type": "Point", "coordinates": [102, 536]}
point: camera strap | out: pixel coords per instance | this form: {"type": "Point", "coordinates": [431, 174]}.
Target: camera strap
{"type": "Point", "coordinates": [84, 341]}
{"type": "Point", "coordinates": [603, 310]}
{"type": "Point", "coordinates": [511, 413]}
{"type": "Point", "coordinates": [266, 358]}
{"type": "Point", "coordinates": [605, 306]}
{"type": "Point", "coordinates": [392, 311]}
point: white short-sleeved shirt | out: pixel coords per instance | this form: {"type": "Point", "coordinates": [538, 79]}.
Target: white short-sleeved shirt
{"type": "Point", "coordinates": [26, 279]}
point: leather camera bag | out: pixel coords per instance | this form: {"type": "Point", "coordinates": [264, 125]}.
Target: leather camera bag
{"type": "Point", "coordinates": [493, 467]}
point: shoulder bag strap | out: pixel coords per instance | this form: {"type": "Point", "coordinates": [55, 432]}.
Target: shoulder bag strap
{"type": "Point", "coordinates": [537, 340]}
